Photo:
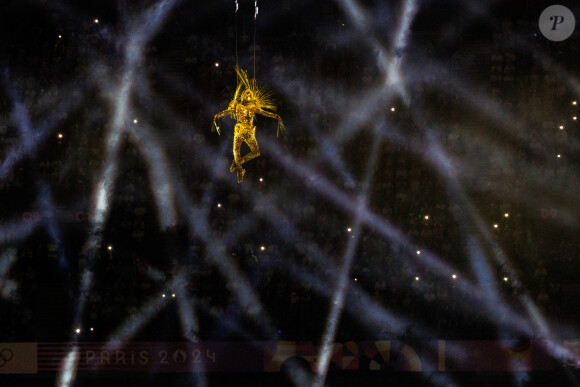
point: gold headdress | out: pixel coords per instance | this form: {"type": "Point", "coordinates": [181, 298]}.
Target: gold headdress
{"type": "Point", "coordinates": [263, 98]}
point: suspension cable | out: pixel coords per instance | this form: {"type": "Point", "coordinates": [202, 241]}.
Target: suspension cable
{"type": "Point", "coordinates": [255, 18]}
{"type": "Point", "coordinates": [236, 32]}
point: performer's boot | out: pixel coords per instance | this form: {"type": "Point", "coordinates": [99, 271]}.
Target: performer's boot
{"type": "Point", "coordinates": [241, 173]}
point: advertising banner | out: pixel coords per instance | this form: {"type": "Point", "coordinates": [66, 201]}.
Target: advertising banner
{"type": "Point", "coordinates": [370, 356]}
{"type": "Point", "coordinates": [154, 356]}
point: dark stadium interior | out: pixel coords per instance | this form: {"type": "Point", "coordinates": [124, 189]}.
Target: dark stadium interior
{"type": "Point", "coordinates": [426, 189]}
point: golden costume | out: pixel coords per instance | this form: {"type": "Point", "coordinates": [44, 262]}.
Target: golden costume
{"type": "Point", "coordinates": [249, 100]}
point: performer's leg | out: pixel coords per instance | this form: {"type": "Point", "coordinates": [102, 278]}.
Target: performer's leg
{"type": "Point", "coordinates": [237, 164]}
{"type": "Point", "coordinates": [238, 139]}
{"type": "Point", "coordinates": [254, 149]}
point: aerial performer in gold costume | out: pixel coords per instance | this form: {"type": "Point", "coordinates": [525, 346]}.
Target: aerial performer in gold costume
{"type": "Point", "coordinates": [249, 100]}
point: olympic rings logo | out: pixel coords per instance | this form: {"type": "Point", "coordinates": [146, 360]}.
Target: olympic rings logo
{"type": "Point", "coordinates": [5, 356]}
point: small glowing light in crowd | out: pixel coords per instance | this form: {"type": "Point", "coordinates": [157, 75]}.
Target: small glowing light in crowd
{"type": "Point", "coordinates": [217, 64]}
{"type": "Point", "coordinates": [279, 331]}
{"type": "Point", "coordinates": [574, 103]}
{"type": "Point", "coordinates": [507, 215]}
{"type": "Point", "coordinates": [426, 217]}
{"type": "Point", "coordinates": [454, 276]}
{"type": "Point", "coordinates": [393, 109]}
{"type": "Point", "coordinates": [172, 295]}
{"type": "Point", "coordinates": [263, 248]}
{"type": "Point", "coordinates": [219, 205]}
{"type": "Point", "coordinates": [574, 118]}
{"type": "Point", "coordinates": [495, 225]}
{"type": "Point", "coordinates": [349, 229]}
{"type": "Point", "coordinates": [78, 331]}
{"type": "Point", "coordinates": [60, 36]}
{"type": "Point", "coordinates": [135, 121]}
{"type": "Point", "coordinates": [417, 278]}
{"type": "Point", "coordinates": [59, 136]}
{"type": "Point", "coordinates": [355, 279]}
{"type": "Point", "coordinates": [110, 248]}
{"type": "Point", "coordinates": [559, 155]}
{"type": "Point", "coordinates": [561, 127]}
{"type": "Point", "coordinates": [418, 252]}
{"type": "Point", "coordinates": [96, 21]}
{"type": "Point", "coordinates": [92, 329]}
{"type": "Point", "coordinates": [505, 279]}
{"type": "Point", "coordinates": [261, 179]}
{"type": "Point", "coordinates": [163, 295]}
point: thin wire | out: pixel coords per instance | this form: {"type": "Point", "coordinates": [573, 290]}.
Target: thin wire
{"type": "Point", "coordinates": [236, 17]}
{"type": "Point", "coordinates": [254, 48]}
{"type": "Point", "coordinates": [255, 22]}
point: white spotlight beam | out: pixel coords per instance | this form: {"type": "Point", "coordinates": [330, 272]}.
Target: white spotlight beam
{"type": "Point", "coordinates": [343, 283]}
{"type": "Point", "coordinates": [141, 30]}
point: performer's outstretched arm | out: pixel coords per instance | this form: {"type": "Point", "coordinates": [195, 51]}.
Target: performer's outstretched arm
{"type": "Point", "coordinates": [215, 126]}
{"type": "Point", "coordinates": [275, 116]}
